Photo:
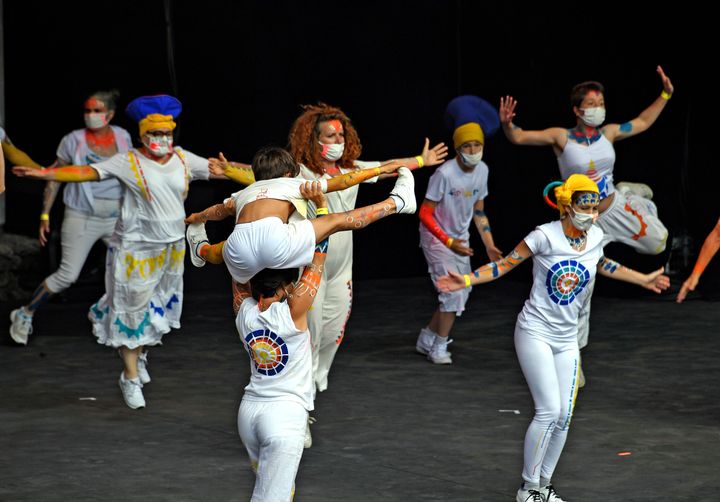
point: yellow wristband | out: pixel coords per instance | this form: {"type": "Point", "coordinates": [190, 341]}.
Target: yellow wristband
{"type": "Point", "coordinates": [467, 280]}
{"type": "Point", "coordinates": [44, 217]}
{"type": "Point", "coordinates": [420, 161]}
{"type": "Point", "coordinates": [449, 242]}
{"type": "Point", "coordinates": [665, 95]}
{"type": "Point", "coordinates": [322, 210]}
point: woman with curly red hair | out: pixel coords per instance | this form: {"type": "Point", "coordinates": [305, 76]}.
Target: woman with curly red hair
{"type": "Point", "coordinates": [325, 143]}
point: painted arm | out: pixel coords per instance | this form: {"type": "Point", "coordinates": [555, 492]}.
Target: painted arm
{"type": "Point", "coordinates": [554, 136]}
{"type": "Point", "coordinates": [486, 273]}
{"type": "Point", "coordinates": [482, 223]}
{"type": "Point", "coordinates": [236, 171]}
{"type": "Point", "coordinates": [16, 156]}
{"type": "Point", "coordinates": [654, 281]}
{"type": "Point", "coordinates": [213, 213]}
{"type": "Point", "coordinates": [708, 250]}
{"type": "Point", "coordinates": [427, 218]}
{"type": "Point", "coordinates": [356, 177]}
{"type": "Point", "coordinates": [69, 174]}
{"type": "Point", "coordinates": [49, 194]}
{"type": "Point", "coordinates": [241, 292]}
{"type": "Point", "coordinates": [616, 132]}
{"type": "Point", "coordinates": [427, 158]}
{"type": "Point", "coordinates": [306, 288]}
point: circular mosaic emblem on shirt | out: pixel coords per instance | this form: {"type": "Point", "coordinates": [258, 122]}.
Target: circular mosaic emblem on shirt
{"type": "Point", "coordinates": [565, 280]}
{"type": "Point", "coordinates": [268, 351]}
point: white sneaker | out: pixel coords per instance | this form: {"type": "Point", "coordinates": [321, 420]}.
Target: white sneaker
{"type": "Point", "coordinates": [308, 436]}
{"type": "Point", "coordinates": [132, 392]}
{"type": "Point", "coordinates": [550, 495]}
{"type": "Point", "coordinates": [425, 341]}
{"type": "Point", "coordinates": [439, 353]}
{"type": "Point", "coordinates": [196, 237]}
{"type": "Point", "coordinates": [21, 326]}
{"type": "Point", "coordinates": [640, 189]}
{"type": "Point", "coordinates": [531, 495]}
{"type": "Point", "coordinates": [143, 374]}
{"type": "Point", "coordinates": [404, 189]}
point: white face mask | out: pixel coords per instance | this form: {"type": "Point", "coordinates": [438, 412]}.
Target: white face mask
{"type": "Point", "coordinates": [593, 116]}
{"type": "Point", "coordinates": [581, 221]}
{"type": "Point", "coordinates": [471, 159]}
{"type": "Point", "coordinates": [332, 152]}
{"type": "Point", "coordinates": [95, 121]}
{"type": "Point", "coordinates": [159, 146]}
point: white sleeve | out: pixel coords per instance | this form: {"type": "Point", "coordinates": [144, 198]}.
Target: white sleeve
{"type": "Point", "coordinates": [484, 182]}
{"type": "Point", "coordinates": [360, 164]}
{"type": "Point", "coordinates": [537, 241]}
{"type": "Point", "coordinates": [436, 187]}
{"type": "Point", "coordinates": [117, 166]}
{"type": "Point", "coordinates": [197, 166]}
{"type": "Point", "coordinates": [66, 150]}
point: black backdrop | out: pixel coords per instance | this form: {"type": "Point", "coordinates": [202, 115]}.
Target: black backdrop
{"type": "Point", "coordinates": [241, 70]}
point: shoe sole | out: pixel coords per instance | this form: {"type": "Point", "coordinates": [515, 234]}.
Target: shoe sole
{"type": "Point", "coordinates": [195, 259]}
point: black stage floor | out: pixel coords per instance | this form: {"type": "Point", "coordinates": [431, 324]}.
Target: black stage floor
{"type": "Point", "coordinates": [391, 426]}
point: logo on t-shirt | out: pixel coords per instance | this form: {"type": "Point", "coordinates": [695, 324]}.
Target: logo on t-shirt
{"type": "Point", "coordinates": [457, 192]}
{"type": "Point", "coordinates": [268, 351]}
{"type": "Point", "coordinates": [565, 281]}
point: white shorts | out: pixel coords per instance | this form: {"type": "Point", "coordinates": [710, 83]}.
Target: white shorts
{"type": "Point", "coordinates": [633, 220]}
{"type": "Point", "coordinates": [441, 260]}
{"type": "Point", "coordinates": [268, 243]}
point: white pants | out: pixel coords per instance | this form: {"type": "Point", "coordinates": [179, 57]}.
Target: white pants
{"type": "Point", "coordinates": [631, 220]}
{"type": "Point", "coordinates": [268, 243]}
{"type": "Point", "coordinates": [441, 260]}
{"type": "Point", "coordinates": [273, 433]}
{"type": "Point", "coordinates": [80, 231]}
{"type": "Point", "coordinates": [331, 308]}
{"type": "Point", "coordinates": [550, 369]}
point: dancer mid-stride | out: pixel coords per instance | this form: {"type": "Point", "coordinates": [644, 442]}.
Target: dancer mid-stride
{"type": "Point", "coordinates": [566, 256]}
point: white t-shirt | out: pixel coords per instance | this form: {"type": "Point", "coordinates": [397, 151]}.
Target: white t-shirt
{"type": "Point", "coordinates": [560, 278]}
{"type": "Point", "coordinates": [456, 192]}
{"type": "Point", "coordinates": [74, 150]}
{"type": "Point", "coordinates": [277, 188]}
{"type": "Point", "coordinates": [596, 160]}
{"type": "Point", "coordinates": [280, 354]}
{"type": "Point", "coordinates": [153, 194]}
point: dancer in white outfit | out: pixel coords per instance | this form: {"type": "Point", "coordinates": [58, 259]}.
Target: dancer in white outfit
{"type": "Point", "coordinates": [566, 255]}
{"type": "Point", "coordinates": [91, 209]}
{"type": "Point", "coordinates": [627, 215]}
{"type": "Point", "coordinates": [273, 327]}
{"type": "Point", "coordinates": [144, 267]}
{"type": "Point", "coordinates": [455, 197]}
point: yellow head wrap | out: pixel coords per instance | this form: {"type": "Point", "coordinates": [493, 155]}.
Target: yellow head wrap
{"type": "Point", "coordinates": [468, 132]}
{"type": "Point", "coordinates": [156, 121]}
{"type": "Point", "coordinates": [575, 183]}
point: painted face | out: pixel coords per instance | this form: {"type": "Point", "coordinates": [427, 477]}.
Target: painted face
{"type": "Point", "coordinates": [471, 153]}
{"type": "Point", "coordinates": [159, 142]}
{"type": "Point", "coordinates": [96, 114]}
{"type": "Point", "coordinates": [584, 211]}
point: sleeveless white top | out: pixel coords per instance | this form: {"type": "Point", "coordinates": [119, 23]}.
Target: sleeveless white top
{"type": "Point", "coordinates": [596, 160]}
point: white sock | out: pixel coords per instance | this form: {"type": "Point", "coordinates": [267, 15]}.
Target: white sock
{"type": "Point", "coordinates": [544, 482]}
{"type": "Point", "coordinates": [527, 485]}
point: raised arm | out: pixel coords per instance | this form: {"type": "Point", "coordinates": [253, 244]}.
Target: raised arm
{"type": "Point", "coordinates": [68, 174]}
{"type": "Point", "coordinates": [482, 223]}
{"type": "Point", "coordinates": [213, 213]}
{"type": "Point", "coordinates": [554, 136]}
{"type": "Point", "coordinates": [641, 123]}
{"type": "Point", "coordinates": [236, 171]}
{"type": "Point", "coordinates": [306, 288]}
{"type": "Point", "coordinates": [710, 247]}
{"type": "Point", "coordinates": [654, 281]}
{"type": "Point", "coordinates": [486, 273]}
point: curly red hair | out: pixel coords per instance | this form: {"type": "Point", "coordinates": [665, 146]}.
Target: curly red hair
{"type": "Point", "coordinates": [305, 132]}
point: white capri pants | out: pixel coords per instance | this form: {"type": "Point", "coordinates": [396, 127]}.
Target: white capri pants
{"type": "Point", "coordinates": [441, 260]}
{"type": "Point", "coordinates": [268, 243]}
{"type": "Point", "coordinates": [551, 370]}
{"type": "Point", "coordinates": [273, 433]}
{"type": "Point", "coordinates": [80, 231]}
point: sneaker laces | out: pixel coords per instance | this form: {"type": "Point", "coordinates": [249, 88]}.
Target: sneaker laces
{"type": "Point", "coordinates": [552, 493]}
{"type": "Point", "coordinates": [25, 321]}
{"type": "Point", "coordinates": [536, 496]}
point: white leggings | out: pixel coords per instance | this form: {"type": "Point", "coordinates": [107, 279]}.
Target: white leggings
{"type": "Point", "coordinates": [273, 433]}
{"type": "Point", "coordinates": [550, 369]}
{"type": "Point", "coordinates": [80, 231]}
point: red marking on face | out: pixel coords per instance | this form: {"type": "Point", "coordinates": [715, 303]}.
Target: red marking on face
{"type": "Point", "coordinates": [336, 124]}
{"type": "Point", "coordinates": [94, 103]}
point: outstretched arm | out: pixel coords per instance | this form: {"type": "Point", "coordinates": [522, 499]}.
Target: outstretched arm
{"type": "Point", "coordinates": [554, 136]}
{"type": "Point", "coordinates": [69, 174]}
{"type": "Point", "coordinates": [427, 158]}
{"type": "Point", "coordinates": [213, 213]}
{"type": "Point", "coordinates": [306, 288]}
{"type": "Point", "coordinates": [482, 223]}
{"type": "Point", "coordinates": [16, 156]}
{"type": "Point", "coordinates": [486, 273]}
{"type": "Point", "coordinates": [641, 123]}
{"type": "Point", "coordinates": [236, 171]}
{"type": "Point", "coordinates": [427, 218]}
{"type": "Point", "coordinates": [710, 247]}
{"type": "Point", "coordinates": [356, 177]}
{"type": "Point", "coordinates": [654, 281]}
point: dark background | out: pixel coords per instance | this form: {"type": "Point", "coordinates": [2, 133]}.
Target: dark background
{"type": "Point", "coordinates": [241, 71]}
